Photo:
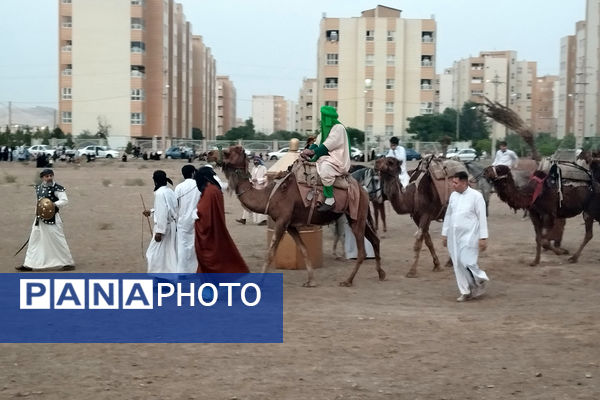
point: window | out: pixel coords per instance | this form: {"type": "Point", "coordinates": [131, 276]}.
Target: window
{"type": "Point", "coordinates": [68, 70]}
{"type": "Point", "coordinates": [426, 61]}
{"type": "Point", "coordinates": [137, 23]}
{"type": "Point", "coordinates": [331, 103]}
{"type": "Point", "coordinates": [370, 35]}
{"type": "Point", "coordinates": [389, 130]}
{"type": "Point", "coordinates": [137, 118]}
{"type": "Point", "coordinates": [137, 2]}
{"type": "Point", "coordinates": [138, 47]}
{"type": "Point", "coordinates": [309, 117]}
{"type": "Point", "coordinates": [427, 37]}
{"type": "Point", "coordinates": [67, 22]}
{"type": "Point", "coordinates": [137, 94]}
{"type": "Point", "coordinates": [426, 84]}
{"type": "Point", "coordinates": [427, 107]}
{"type": "Point", "coordinates": [138, 71]}
{"type": "Point", "coordinates": [389, 83]}
{"type": "Point", "coordinates": [308, 104]}
{"type": "Point", "coordinates": [369, 59]}
{"type": "Point", "coordinates": [369, 130]}
{"type": "Point", "coordinates": [67, 46]}
{"type": "Point", "coordinates": [331, 83]}
{"type": "Point", "coordinates": [66, 1]}
{"type": "Point", "coordinates": [332, 59]}
{"type": "Point", "coordinates": [332, 35]}
{"type": "Point", "coordinates": [66, 93]}
{"type": "Point", "coordinates": [390, 36]}
{"type": "Point", "coordinates": [66, 117]}
{"type": "Point", "coordinates": [389, 106]}
{"type": "Point", "coordinates": [390, 59]}
{"type": "Point", "coordinates": [369, 106]}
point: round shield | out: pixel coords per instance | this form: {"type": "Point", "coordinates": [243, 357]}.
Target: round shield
{"type": "Point", "coordinates": [45, 208]}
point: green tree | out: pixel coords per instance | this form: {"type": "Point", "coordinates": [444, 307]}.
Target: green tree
{"type": "Point", "coordinates": [546, 144]}
{"type": "Point", "coordinates": [86, 134]}
{"type": "Point", "coordinates": [245, 131]}
{"type": "Point", "coordinates": [568, 142]}
{"type": "Point", "coordinates": [197, 134]}
{"type": "Point", "coordinates": [483, 145]}
{"type": "Point", "coordinates": [432, 127]}
{"type": "Point", "coordinates": [473, 124]}
{"type": "Point", "coordinates": [57, 133]}
{"type": "Point", "coordinates": [129, 148]}
{"type": "Point", "coordinates": [69, 141]}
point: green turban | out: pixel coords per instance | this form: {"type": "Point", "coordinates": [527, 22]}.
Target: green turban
{"type": "Point", "coordinates": [329, 117]}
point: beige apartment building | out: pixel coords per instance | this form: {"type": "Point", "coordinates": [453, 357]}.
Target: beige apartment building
{"type": "Point", "coordinates": [307, 109]}
{"type": "Point", "coordinates": [204, 83]}
{"type": "Point", "coordinates": [269, 113]}
{"type": "Point", "coordinates": [543, 100]}
{"type": "Point", "coordinates": [226, 99]}
{"type": "Point", "coordinates": [377, 70]}
{"type": "Point", "coordinates": [135, 74]}
{"type": "Point", "coordinates": [567, 96]}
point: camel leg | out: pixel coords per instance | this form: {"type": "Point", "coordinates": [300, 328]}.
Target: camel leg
{"type": "Point", "coordinates": [277, 235]}
{"type": "Point", "coordinates": [358, 228]}
{"type": "Point", "coordinates": [589, 233]}
{"type": "Point", "coordinates": [309, 268]}
{"type": "Point", "coordinates": [376, 211]}
{"type": "Point", "coordinates": [371, 236]}
{"type": "Point", "coordinates": [338, 236]}
{"type": "Point", "coordinates": [419, 236]}
{"type": "Point", "coordinates": [536, 219]}
{"type": "Point", "coordinates": [429, 244]}
{"type": "Point", "coordinates": [383, 217]}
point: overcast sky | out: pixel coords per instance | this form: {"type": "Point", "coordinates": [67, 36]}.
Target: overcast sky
{"type": "Point", "coordinates": [267, 47]}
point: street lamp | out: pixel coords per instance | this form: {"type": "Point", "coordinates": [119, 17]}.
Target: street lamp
{"type": "Point", "coordinates": [368, 86]}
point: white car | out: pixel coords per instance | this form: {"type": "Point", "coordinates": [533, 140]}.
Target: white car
{"type": "Point", "coordinates": [463, 154]}
{"type": "Point", "coordinates": [276, 155]}
{"type": "Point", "coordinates": [356, 154]}
{"type": "Point", "coordinates": [40, 148]}
{"type": "Point", "coordinates": [98, 151]}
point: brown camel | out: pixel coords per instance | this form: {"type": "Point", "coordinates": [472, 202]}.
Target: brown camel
{"type": "Point", "coordinates": [286, 208]}
{"type": "Point", "coordinates": [420, 201]}
{"type": "Point", "coordinates": [547, 208]}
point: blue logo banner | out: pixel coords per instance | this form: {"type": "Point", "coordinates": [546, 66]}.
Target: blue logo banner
{"type": "Point", "coordinates": [141, 308]}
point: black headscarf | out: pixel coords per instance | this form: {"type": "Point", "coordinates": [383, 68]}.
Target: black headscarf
{"type": "Point", "coordinates": [188, 171]}
{"type": "Point", "coordinates": [205, 175]}
{"type": "Point", "coordinates": [160, 179]}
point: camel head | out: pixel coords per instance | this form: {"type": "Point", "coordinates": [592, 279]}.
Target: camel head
{"type": "Point", "coordinates": [388, 166]}
{"type": "Point", "coordinates": [234, 161]}
{"type": "Point", "coordinates": [214, 156]}
{"type": "Point", "coordinates": [495, 172]}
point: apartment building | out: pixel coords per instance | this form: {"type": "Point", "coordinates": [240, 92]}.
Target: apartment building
{"type": "Point", "coordinates": [269, 113]}
{"type": "Point", "coordinates": [567, 95]}
{"type": "Point", "coordinates": [134, 73]}
{"type": "Point", "coordinates": [307, 109]}
{"type": "Point", "coordinates": [377, 70]}
{"type": "Point", "coordinates": [226, 100]}
{"type": "Point", "coordinates": [204, 78]}
{"type": "Point", "coordinates": [543, 101]}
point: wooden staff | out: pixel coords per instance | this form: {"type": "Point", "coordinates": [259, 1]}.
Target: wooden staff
{"type": "Point", "coordinates": [147, 217]}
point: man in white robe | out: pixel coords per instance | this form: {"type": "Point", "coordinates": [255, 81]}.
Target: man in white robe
{"type": "Point", "coordinates": [47, 246]}
{"type": "Point", "coordinates": [331, 152]}
{"type": "Point", "coordinates": [507, 157]}
{"type": "Point", "coordinates": [465, 233]}
{"type": "Point", "coordinates": [398, 152]}
{"type": "Point", "coordinates": [162, 251]}
{"type": "Point", "coordinates": [187, 194]}
{"type": "Point", "coordinates": [258, 176]}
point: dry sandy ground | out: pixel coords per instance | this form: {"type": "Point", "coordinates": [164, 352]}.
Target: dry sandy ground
{"type": "Point", "coordinates": [534, 336]}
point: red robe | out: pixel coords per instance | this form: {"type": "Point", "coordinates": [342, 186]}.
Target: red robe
{"type": "Point", "coordinates": [215, 249]}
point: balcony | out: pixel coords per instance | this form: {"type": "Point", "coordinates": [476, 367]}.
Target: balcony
{"type": "Point", "coordinates": [67, 72]}
{"type": "Point", "coordinates": [66, 48]}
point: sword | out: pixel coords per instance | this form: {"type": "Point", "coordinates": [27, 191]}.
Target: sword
{"type": "Point", "coordinates": [22, 247]}
{"type": "Point", "coordinates": [147, 218]}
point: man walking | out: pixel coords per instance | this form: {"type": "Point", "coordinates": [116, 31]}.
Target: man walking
{"type": "Point", "coordinates": [162, 251]}
{"type": "Point", "coordinates": [187, 194]}
{"type": "Point", "coordinates": [47, 243]}
{"type": "Point", "coordinates": [464, 233]}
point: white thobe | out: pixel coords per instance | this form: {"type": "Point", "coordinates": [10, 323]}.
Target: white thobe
{"type": "Point", "coordinates": [400, 154]}
{"type": "Point", "coordinates": [188, 195]}
{"type": "Point", "coordinates": [259, 181]}
{"type": "Point", "coordinates": [350, 248]}
{"type": "Point", "coordinates": [507, 157]}
{"type": "Point", "coordinates": [47, 246]}
{"type": "Point", "coordinates": [162, 256]}
{"type": "Point", "coordinates": [337, 162]}
{"type": "Point", "coordinates": [464, 224]}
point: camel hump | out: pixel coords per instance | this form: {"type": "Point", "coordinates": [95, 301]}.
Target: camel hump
{"type": "Point", "coordinates": [441, 169]}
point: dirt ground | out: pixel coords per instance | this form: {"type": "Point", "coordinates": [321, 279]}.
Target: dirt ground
{"type": "Point", "coordinates": [533, 336]}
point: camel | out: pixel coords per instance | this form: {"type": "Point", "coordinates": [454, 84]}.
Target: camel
{"type": "Point", "coordinates": [282, 202]}
{"type": "Point", "coordinates": [547, 208]}
{"type": "Point", "coordinates": [421, 201]}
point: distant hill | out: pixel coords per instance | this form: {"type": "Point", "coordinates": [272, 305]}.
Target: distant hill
{"type": "Point", "coordinates": [32, 116]}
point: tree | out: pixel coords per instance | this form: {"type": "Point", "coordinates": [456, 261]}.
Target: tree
{"type": "Point", "coordinates": [103, 127]}
{"type": "Point", "coordinates": [568, 142]}
{"type": "Point", "coordinates": [245, 131]}
{"type": "Point", "coordinates": [69, 141]}
{"type": "Point", "coordinates": [197, 134]}
{"type": "Point", "coordinates": [86, 134]}
{"type": "Point", "coordinates": [432, 127]}
{"type": "Point", "coordinates": [356, 136]}
{"type": "Point", "coordinates": [57, 133]}
{"type": "Point", "coordinates": [473, 124]}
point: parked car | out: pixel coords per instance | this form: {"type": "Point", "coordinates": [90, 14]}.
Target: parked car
{"type": "Point", "coordinates": [40, 148]}
{"type": "Point", "coordinates": [98, 151]}
{"type": "Point", "coordinates": [178, 152]}
{"type": "Point", "coordinates": [412, 154]}
{"type": "Point", "coordinates": [463, 154]}
{"type": "Point", "coordinates": [356, 154]}
{"type": "Point", "coordinates": [276, 155]}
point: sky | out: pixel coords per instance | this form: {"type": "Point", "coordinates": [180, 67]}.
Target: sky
{"type": "Point", "coordinates": [268, 47]}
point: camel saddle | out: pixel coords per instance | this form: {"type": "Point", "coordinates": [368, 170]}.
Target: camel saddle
{"type": "Point", "coordinates": [346, 191]}
{"type": "Point", "coordinates": [441, 172]}
{"type": "Point", "coordinates": [569, 172]}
